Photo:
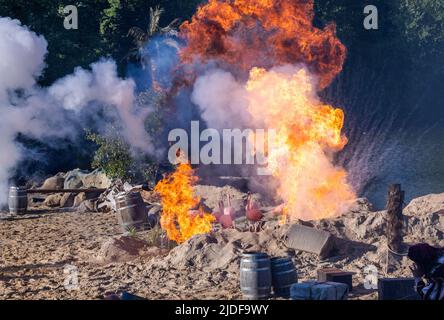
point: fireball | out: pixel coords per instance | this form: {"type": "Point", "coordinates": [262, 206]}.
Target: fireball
{"type": "Point", "coordinates": [308, 132]}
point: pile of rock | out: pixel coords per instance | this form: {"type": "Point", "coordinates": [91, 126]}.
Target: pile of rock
{"type": "Point", "coordinates": [75, 179]}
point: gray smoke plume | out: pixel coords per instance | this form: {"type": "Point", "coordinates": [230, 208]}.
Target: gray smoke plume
{"type": "Point", "coordinates": [45, 113]}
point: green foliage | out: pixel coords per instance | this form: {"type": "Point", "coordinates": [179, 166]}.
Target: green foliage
{"type": "Point", "coordinates": [156, 237]}
{"type": "Point", "coordinates": [412, 30]}
{"type": "Point", "coordinates": [422, 25]}
{"type": "Point", "coordinates": [349, 16]}
{"type": "Point", "coordinates": [113, 155]}
{"type": "Point", "coordinates": [132, 232]}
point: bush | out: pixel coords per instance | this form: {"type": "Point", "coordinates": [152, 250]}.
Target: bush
{"type": "Point", "coordinates": [113, 155]}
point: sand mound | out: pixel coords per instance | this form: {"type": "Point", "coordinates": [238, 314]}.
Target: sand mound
{"type": "Point", "coordinates": [120, 249]}
{"type": "Point", "coordinates": [222, 249]}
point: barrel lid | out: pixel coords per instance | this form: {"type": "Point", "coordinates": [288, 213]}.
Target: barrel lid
{"type": "Point", "coordinates": [250, 254]}
{"type": "Point", "coordinates": [17, 188]}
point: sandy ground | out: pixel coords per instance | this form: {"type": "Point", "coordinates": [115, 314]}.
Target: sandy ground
{"type": "Point", "coordinates": [43, 251]}
{"type": "Point", "coordinates": [37, 250]}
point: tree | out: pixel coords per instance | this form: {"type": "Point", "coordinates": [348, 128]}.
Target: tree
{"type": "Point", "coordinates": [422, 26]}
{"type": "Point", "coordinates": [141, 38]}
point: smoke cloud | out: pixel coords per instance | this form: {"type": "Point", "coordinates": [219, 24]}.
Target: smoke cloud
{"type": "Point", "coordinates": [222, 100]}
{"type": "Point", "coordinates": [60, 110]}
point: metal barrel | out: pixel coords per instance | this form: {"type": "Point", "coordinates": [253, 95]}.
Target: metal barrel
{"type": "Point", "coordinates": [18, 200]}
{"type": "Point", "coordinates": [255, 276]}
{"type": "Point", "coordinates": [131, 212]}
{"type": "Point", "coordinates": [283, 274]}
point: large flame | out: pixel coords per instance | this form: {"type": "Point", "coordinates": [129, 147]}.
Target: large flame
{"type": "Point", "coordinates": [261, 39]}
{"type": "Point", "coordinates": [242, 34]}
{"type": "Point", "coordinates": [308, 132]}
{"type": "Point", "coordinates": [177, 196]}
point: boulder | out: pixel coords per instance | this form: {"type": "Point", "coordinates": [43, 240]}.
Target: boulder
{"type": "Point", "coordinates": [87, 206]}
{"type": "Point", "coordinates": [53, 200]}
{"type": "Point", "coordinates": [55, 183]}
{"type": "Point", "coordinates": [96, 179]}
{"type": "Point", "coordinates": [81, 197]}
{"type": "Point", "coordinates": [67, 200]}
{"type": "Point", "coordinates": [74, 179]}
{"type": "Point", "coordinates": [426, 227]}
{"type": "Point", "coordinates": [425, 205]}
{"type": "Point", "coordinates": [365, 226]}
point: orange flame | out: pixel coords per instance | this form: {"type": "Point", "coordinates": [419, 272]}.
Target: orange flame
{"type": "Point", "coordinates": [242, 34]}
{"type": "Point", "coordinates": [253, 37]}
{"type": "Point", "coordinates": [177, 219]}
{"type": "Point", "coordinates": [308, 132]}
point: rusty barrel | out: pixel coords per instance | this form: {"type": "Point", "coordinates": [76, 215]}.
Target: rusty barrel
{"type": "Point", "coordinates": [283, 275]}
{"type": "Point", "coordinates": [131, 212]}
{"type": "Point", "coordinates": [18, 200]}
{"type": "Point", "coordinates": [255, 275]}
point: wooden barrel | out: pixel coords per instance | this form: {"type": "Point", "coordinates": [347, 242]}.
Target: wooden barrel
{"type": "Point", "coordinates": [283, 275]}
{"type": "Point", "coordinates": [255, 275]}
{"type": "Point", "coordinates": [18, 200]}
{"type": "Point", "coordinates": [131, 212]}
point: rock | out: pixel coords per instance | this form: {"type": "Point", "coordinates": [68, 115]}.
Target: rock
{"type": "Point", "coordinates": [366, 226]}
{"type": "Point", "coordinates": [53, 200]}
{"type": "Point", "coordinates": [96, 179]}
{"type": "Point", "coordinates": [74, 179]}
{"type": "Point", "coordinates": [121, 249]}
{"type": "Point", "coordinates": [241, 224]}
{"type": "Point", "coordinates": [361, 205]}
{"type": "Point", "coordinates": [55, 183]}
{"type": "Point", "coordinates": [67, 200]}
{"type": "Point", "coordinates": [81, 197]}
{"type": "Point", "coordinates": [87, 206]}
{"type": "Point", "coordinates": [424, 205]}
{"type": "Point", "coordinates": [426, 227]}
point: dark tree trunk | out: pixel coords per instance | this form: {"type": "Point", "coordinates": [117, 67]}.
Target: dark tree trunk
{"type": "Point", "coordinates": [395, 219]}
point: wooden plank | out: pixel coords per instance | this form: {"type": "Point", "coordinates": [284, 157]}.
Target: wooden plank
{"type": "Point", "coordinates": [47, 191]}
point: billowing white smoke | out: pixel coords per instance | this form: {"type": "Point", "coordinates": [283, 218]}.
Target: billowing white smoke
{"type": "Point", "coordinates": [221, 99]}
{"type": "Point", "coordinates": [53, 112]}
{"type": "Point", "coordinates": [22, 57]}
{"type": "Point", "coordinates": [103, 86]}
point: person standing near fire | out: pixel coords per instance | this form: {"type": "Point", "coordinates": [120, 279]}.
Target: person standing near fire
{"type": "Point", "coordinates": [428, 271]}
